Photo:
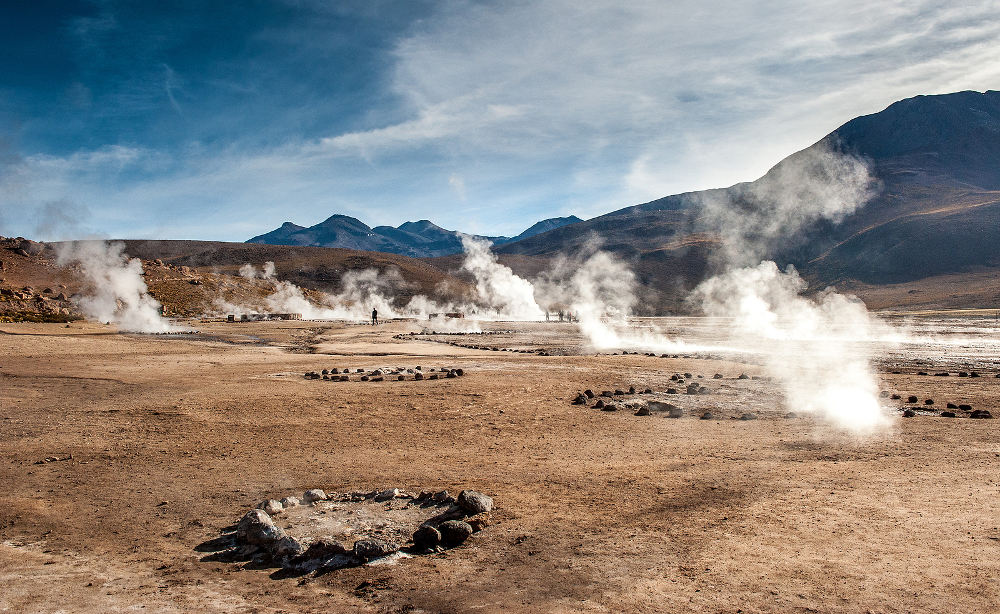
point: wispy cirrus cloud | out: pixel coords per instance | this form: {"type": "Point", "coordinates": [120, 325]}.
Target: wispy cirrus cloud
{"type": "Point", "coordinates": [482, 116]}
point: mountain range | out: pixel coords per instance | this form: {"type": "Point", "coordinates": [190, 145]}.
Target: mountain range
{"type": "Point", "coordinates": [935, 214]}
{"type": "Point", "coordinates": [421, 239]}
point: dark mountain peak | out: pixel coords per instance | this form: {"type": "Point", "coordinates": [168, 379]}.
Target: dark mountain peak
{"type": "Point", "coordinates": [291, 226]}
{"type": "Point", "coordinates": [422, 227]}
{"type": "Point", "coordinates": [954, 136]}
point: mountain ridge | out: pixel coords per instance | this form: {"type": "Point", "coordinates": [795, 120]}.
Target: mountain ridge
{"type": "Point", "coordinates": [416, 239]}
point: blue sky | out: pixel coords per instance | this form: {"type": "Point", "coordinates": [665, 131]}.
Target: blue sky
{"type": "Point", "coordinates": [220, 120]}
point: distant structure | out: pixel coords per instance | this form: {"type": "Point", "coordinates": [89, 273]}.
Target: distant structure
{"type": "Point", "coordinates": [451, 314]}
{"type": "Point", "coordinates": [261, 317]}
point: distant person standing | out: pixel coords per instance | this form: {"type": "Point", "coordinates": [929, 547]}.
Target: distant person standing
{"type": "Point", "coordinates": [374, 317]}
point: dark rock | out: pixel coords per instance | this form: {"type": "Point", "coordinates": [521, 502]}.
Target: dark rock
{"type": "Point", "coordinates": [942, 374]}
{"type": "Point", "coordinates": [921, 372]}
{"type": "Point", "coordinates": [743, 376]}
{"type": "Point", "coordinates": [365, 378]}
{"type": "Point", "coordinates": [671, 391]}
{"type": "Point", "coordinates": [451, 374]}
{"type": "Point", "coordinates": [706, 416]}
{"type": "Point", "coordinates": [460, 372]}
{"type": "Point", "coordinates": [980, 414]}
{"type": "Point", "coordinates": [373, 548]}
{"type": "Point", "coordinates": [580, 399]}
{"type": "Point", "coordinates": [896, 397]}
{"type": "Point", "coordinates": [607, 394]}
{"type": "Point", "coordinates": [400, 378]}
{"type": "Point", "coordinates": [911, 399]}
{"type": "Point", "coordinates": [647, 391]}
{"type": "Point", "coordinates": [473, 502]}
{"type": "Point", "coordinates": [963, 374]}
{"type": "Point", "coordinates": [965, 407]}
{"type": "Point", "coordinates": [454, 532]}
{"type": "Point", "coordinates": [426, 537]}
{"type": "Point", "coordinates": [345, 378]}
{"type": "Point", "coordinates": [418, 376]}
{"type": "Point", "coordinates": [687, 375]}
{"type": "Point", "coordinates": [479, 522]}
{"type": "Point", "coordinates": [952, 406]}
{"type": "Point", "coordinates": [790, 415]}
{"type": "Point", "coordinates": [642, 411]}
{"type": "Point", "coordinates": [974, 374]}
{"type": "Point", "coordinates": [589, 393]}
{"type": "Point", "coordinates": [257, 528]}
{"type": "Point", "coordinates": [693, 388]}
{"type": "Point", "coordinates": [928, 401]}
{"type": "Point", "coordinates": [748, 416]}
{"type": "Point", "coordinates": [325, 372]}
{"type": "Point", "coordinates": [324, 549]}
{"type": "Point", "coordinates": [619, 393]}
{"type": "Point", "coordinates": [947, 414]}
{"type": "Point", "coordinates": [610, 407]}
{"type": "Point", "coordinates": [432, 376]}
{"type": "Point", "coordinates": [442, 496]}
{"type": "Point", "coordinates": [909, 413]}
{"type": "Point", "coordinates": [717, 376]}
{"type": "Point", "coordinates": [631, 389]}
{"type": "Point", "coordinates": [599, 404]}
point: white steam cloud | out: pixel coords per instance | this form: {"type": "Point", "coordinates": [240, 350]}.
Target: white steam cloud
{"type": "Point", "coordinates": [816, 347]}
{"type": "Point", "coordinates": [497, 287]}
{"type": "Point", "coordinates": [117, 292]}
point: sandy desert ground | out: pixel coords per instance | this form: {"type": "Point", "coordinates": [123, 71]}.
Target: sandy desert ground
{"type": "Point", "coordinates": [120, 454]}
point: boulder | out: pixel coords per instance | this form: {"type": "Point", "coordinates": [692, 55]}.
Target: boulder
{"type": "Point", "coordinates": [272, 507]}
{"type": "Point", "coordinates": [981, 414]}
{"type": "Point", "coordinates": [387, 494]}
{"type": "Point", "coordinates": [952, 406]}
{"type": "Point", "coordinates": [454, 532]}
{"type": "Point", "coordinates": [418, 376]}
{"type": "Point", "coordinates": [473, 502]}
{"type": "Point", "coordinates": [791, 415]}
{"type": "Point", "coordinates": [313, 495]}
{"type": "Point", "coordinates": [289, 502]}
{"type": "Point", "coordinates": [965, 407]}
{"type": "Point", "coordinates": [589, 393]}
{"type": "Point", "coordinates": [947, 414]}
{"type": "Point", "coordinates": [706, 416]}
{"type": "Point", "coordinates": [287, 546]}
{"type": "Point", "coordinates": [743, 376]}
{"type": "Point", "coordinates": [928, 401]}
{"type": "Point", "coordinates": [909, 413]}
{"type": "Point", "coordinates": [642, 411]}
{"type": "Point", "coordinates": [373, 548]}
{"type": "Point", "coordinates": [911, 399]}
{"type": "Point", "coordinates": [426, 537]}
{"type": "Point", "coordinates": [748, 416]}
{"type": "Point", "coordinates": [256, 527]}
{"type": "Point", "coordinates": [324, 549]}
{"type": "Point", "coordinates": [580, 399]}
{"type": "Point", "coordinates": [609, 407]}
{"type": "Point", "coordinates": [599, 405]}
{"type": "Point", "coordinates": [896, 397]}
{"type": "Point", "coordinates": [717, 376]}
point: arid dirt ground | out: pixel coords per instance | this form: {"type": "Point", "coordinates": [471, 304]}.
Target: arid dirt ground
{"type": "Point", "coordinates": [154, 444]}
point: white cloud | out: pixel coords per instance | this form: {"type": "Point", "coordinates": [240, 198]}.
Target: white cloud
{"type": "Point", "coordinates": [557, 107]}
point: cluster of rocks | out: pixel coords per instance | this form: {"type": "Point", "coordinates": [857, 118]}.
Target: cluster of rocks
{"type": "Point", "coordinates": [928, 407]}
{"type": "Point", "coordinates": [258, 537]}
{"type": "Point", "coordinates": [948, 374]}
{"type": "Point", "coordinates": [382, 374]}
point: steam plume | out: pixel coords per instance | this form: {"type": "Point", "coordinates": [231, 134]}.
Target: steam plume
{"type": "Point", "coordinates": [815, 346]}
{"type": "Point", "coordinates": [117, 291]}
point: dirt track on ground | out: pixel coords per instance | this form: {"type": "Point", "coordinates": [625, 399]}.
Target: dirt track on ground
{"type": "Point", "coordinates": [155, 444]}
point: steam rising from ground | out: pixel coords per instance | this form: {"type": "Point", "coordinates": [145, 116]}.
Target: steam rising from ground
{"type": "Point", "coordinates": [496, 285]}
{"type": "Point", "coordinates": [815, 346]}
{"type": "Point", "coordinates": [117, 291]}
